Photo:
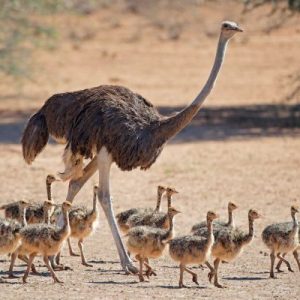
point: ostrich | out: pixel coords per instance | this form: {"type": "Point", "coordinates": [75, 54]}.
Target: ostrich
{"type": "Point", "coordinates": [111, 124]}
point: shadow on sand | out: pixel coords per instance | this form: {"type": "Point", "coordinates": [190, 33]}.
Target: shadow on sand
{"type": "Point", "coordinates": [211, 123]}
{"type": "Point", "coordinates": [246, 278]}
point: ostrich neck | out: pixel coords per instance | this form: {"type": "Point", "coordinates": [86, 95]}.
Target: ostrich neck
{"type": "Point", "coordinates": [210, 231]}
{"type": "Point", "coordinates": [230, 218]}
{"type": "Point", "coordinates": [23, 217]}
{"type": "Point", "coordinates": [249, 236]}
{"type": "Point", "coordinates": [46, 216]}
{"type": "Point", "coordinates": [159, 195]}
{"type": "Point", "coordinates": [169, 232]}
{"type": "Point", "coordinates": [65, 230]}
{"type": "Point", "coordinates": [48, 187]}
{"type": "Point", "coordinates": [295, 222]}
{"type": "Point", "coordinates": [95, 203]}
{"type": "Point", "coordinates": [169, 201]}
{"type": "Point", "coordinates": [172, 125]}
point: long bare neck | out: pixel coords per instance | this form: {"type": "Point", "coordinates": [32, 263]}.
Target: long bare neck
{"type": "Point", "coordinates": [66, 227]}
{"type": "Point", "coordinates": [169, 200]}
{"type": "Point", "coordinates": [22, 217]}
{"type": "Point", "coordinates": [46, 215]}
{"type": "Point", "coordinates": [48, 188]}
{"type": "Point", "coordinates": [158, 203]}
{"type": "Point", "coordinates": [230, 218]}
{"type": "Point", "coordinates": [295, 222]}
{"type": "Point", "coordinates": [95, 203]}
{"type": "Point", "coordinates": [248, 238]}
{"type": "Point", "coordinates": [169, 232]}
{"type": "Point", "coordinates": [210, 232]}
{"type": "Point", "coordinates": [172, 125]}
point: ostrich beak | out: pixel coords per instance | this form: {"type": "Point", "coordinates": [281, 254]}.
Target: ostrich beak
{"type": "Point", "coordinates": [239, 29]}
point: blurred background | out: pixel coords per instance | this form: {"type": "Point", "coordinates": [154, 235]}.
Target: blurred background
{"type": "Point", "coordinates": [162, 49]}
{"type": "Point", "coordinates": [243, 146]}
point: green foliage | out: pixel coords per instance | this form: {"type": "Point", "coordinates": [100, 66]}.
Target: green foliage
{"type": "Point", "coordinates": [23, 27]}
{"type": "Point", "coordinates": [21, 32]}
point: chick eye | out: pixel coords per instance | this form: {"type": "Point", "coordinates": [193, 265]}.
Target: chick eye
{"type": "Point", "coordinates": [225, 26]}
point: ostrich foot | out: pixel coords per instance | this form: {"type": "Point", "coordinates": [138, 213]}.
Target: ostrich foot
{"type": "Point", "coordinates": [56, 280]}
{"type": "Point", "coordinates": [62, 268]}
{"type": "Point", "coordinates": [141, 278]}
{"type": "Point", "coordinates": [24, 279]}
{"type": "Point", "coordinates": [150, 273]}
{"type": "Point", "coordinates": [218, 285]}
{"type": "Point", "coordinates": [279, 270]}
{"type": "Point", "coordinates": [195, 279]}
{"type": "Point", "coordinates": [290, 269]}
{"type": "Point", "coordinates": [129, 268]}
{"type": "Point", "coordinates": [272, 275]}
{"type": "Point", "coordinates": [34, 271]}
{"type": "Point", "coordinates": [181, 285]}
{"type": "Point", "coordinates": [210, 276]}
{"type": "Point", "coordinates": [12, 276]}
{"type": "Point", "coordinates": [86, 264]}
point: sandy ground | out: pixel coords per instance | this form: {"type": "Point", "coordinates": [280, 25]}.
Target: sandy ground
{"type": "Point", "coordinates": [243, 147]}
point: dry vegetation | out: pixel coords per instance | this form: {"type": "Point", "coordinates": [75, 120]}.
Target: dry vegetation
{"type": "Point", "coordinates": [243, 146]}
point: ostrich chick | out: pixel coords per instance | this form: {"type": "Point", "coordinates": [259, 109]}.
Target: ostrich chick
{"type": "Point", "coordinates": [34, 212]}
{"type": "Point", "coordinates": [45, 240]}
{"type": "Point", "coordinates": [217, 224]}
{"type": "Point", "coordinates": [10, 231]}
{"type": "Point", "coordinates": [154, 219]}
{"type": "Point", "coordinates": [192, 249]}
{"type": "Point", "coordinates": [123, 217]}
{"type": "Point", "coordinates": [47, 208]}
{"type": "Point", "coordinates": [83, 223]}
{"type": "Point", "coordinates": [282, 238]}
{"type": "Point", "coordinates": [149, 242]}
{"type": "Point", "coordinates": [229, 244]}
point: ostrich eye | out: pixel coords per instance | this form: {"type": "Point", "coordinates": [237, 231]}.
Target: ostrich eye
{"type": "Point", "coordinates": [225, 26]}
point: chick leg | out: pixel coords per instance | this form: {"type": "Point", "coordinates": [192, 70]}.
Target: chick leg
{"type": "Point", "coordinates": [83, 261]}
{"type": "Point", "coordinates": [216, 267]}
{"type": "Point", "coordinates": [285, 261]}
{"type": "Point", "coordinates": [195, 277]}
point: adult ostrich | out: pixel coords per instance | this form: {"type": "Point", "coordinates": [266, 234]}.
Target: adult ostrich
{"type": "Point", "coordinates": [111, 124]}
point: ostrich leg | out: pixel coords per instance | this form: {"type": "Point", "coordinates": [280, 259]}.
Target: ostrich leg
{"type": "Point", "coordinates": [104, 165]}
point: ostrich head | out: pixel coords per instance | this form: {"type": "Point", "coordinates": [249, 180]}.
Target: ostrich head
{"type": "Point", "coordinates": [48, 205]}
{"type": "Point", "coordinates": [161, 189]}
{"type": "Point", "coordinates": [211, 216]}
{"type": "Point", "coordinates": [23, 204]}
{"type": "Point", "coordinates": [66, 206]}
{"type": "Point", "coordinates": [294, 210]}
{"type": "Point", "coordinates": [51, 178]}
{"type": "Point", "coordinates": [173, 211]}
{"type": "Point", "coordinates": [229, 29]}
{"type": "Point", "coordinates": [171, 191]}
{"type": "Point", "coordinates": [253, 214]}
{"type": "Point", "coordinates": [232, 206]}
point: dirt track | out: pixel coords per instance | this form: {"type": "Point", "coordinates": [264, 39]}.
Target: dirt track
{"type": "Point", "coordinates": [253, 163]}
